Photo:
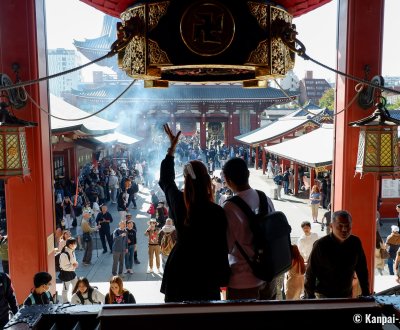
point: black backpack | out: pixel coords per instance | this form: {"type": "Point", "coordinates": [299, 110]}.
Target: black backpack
{"type": "Point", "coordinates": [271, 239]}
{"type": "Point", "coordinates": [57, 259]}
{"type": "Point", "coordinates": [90, 293]}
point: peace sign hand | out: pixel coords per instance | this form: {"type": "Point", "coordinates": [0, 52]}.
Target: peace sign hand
{"type": "Point", "coordinates": [172, 138]}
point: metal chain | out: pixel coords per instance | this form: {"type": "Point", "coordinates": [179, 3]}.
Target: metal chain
{"type": "Point", "coordinates": [358, 88]}
{"type": "Point", "coordinates": [301, 51]}
{"type": "Point", "coordinates": [86, 117]}
{"type": "Point", "coordinates": [31, 82]}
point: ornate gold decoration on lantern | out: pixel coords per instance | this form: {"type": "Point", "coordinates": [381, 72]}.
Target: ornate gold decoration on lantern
{"type": "Point", "coordinates": [206, 41]}
{"type": "Point", "coordinates": [378, 142]}
{"type": "Point", "coordinates": [13, 149]}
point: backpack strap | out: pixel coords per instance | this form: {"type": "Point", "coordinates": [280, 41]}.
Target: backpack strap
{"type": "Point", "coordinates": [78, 293]}
{"type": "Point", "coordinates": [90, 293]}
{"type": "Point", "coordinates": [65, 252]}
{"type": "Point", "coordinates": [239, 202]}
{"type": "Point", "coordinates": [48, 294]}
{"type": "Point", "coordinates": [32, 298]}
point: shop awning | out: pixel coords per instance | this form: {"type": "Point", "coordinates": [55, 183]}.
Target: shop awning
{"type": "Point", "coordinates": [118, 138]}
{"type": "Point", "coordinates": [314, 149]}
{"type": "Point", "coordinates": [91, 126]}
{"type": "Point", "coordinates": [275, 130]}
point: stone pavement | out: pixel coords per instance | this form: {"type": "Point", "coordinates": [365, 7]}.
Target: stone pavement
{"type": "Point", "coordinates": [146, 287]}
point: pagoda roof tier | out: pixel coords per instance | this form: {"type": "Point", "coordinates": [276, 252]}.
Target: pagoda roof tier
{"type": "Point", "coordinates": [189, 94]}
{"type": "Point", "coordinates": [98, 47]}
{"type": "Point", "coordinates": [116, 7]}
{"type": "Point", "coordinates": [314, 149]}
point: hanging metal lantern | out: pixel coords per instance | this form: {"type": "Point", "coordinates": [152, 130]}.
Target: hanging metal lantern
{"type": "Point", "coordinates": [13, 150]}
{"type": "Point", "coordinates": [378, 142]}
{"type": "Point", "coordinates": [202, 41]}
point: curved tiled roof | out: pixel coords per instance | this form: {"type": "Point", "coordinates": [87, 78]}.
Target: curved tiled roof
{"type": "Point", "coordinates": [273, 131]}
{"type": "Point", "coordinates": [98, 47]}
{"type": "Point", "coordinates": [92, 126]}
{"type": "Point", "coordinates": [188, 93]}
{"type": "Point", "coordinates": [299, 150]}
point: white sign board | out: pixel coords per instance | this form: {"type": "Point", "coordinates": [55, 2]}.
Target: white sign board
{"type": "Point", "coordinates": [390, 188]}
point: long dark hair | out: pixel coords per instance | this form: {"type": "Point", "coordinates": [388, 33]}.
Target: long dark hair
{"type": "Point", "coordinates": [297, 258]}
{"type": "Point", "coordinates": [85, 281]}
{"type": "Point", "coordinates": [111, 295]}
{"type": "Point", "coordinates": [197, 192]}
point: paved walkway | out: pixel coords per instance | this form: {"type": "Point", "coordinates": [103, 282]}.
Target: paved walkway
{"type": "Point", "coordinates": [145, 287]}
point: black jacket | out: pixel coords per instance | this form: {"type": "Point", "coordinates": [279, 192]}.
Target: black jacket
{"type": "Point", "coordinates": [128, 298]}
{"type": "Point", "coordinates": [331, 267]}
{"type": "Point", "coordinates": [202, 242]}
{"type": "Point", "coordinates": [7, 297]}
{"type": "Point", "coordinates": [39, 299]}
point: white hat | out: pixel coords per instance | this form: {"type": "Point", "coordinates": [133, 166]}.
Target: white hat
{"type": "Point", "coordinates": [395, 228]}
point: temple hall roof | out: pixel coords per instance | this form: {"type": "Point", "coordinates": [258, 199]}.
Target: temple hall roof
{"type": "Point", "coordinates": [188, 93]}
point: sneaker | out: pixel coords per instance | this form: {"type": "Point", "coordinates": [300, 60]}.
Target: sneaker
{"type": "Point", "coordinates": [150, 271]}
{"type": "Point", "coordinates": [134, 207]}
{"type": "Point", "coordinates": [127, 271]}
{"type": "Point", "coordinates": [159, 271]}
{"type": "Point", "coordinates": [131, 271]}
{"type": "Point", "coordinates": [137, 262]}
{"type": "Point", "coordinates": [105, 251]}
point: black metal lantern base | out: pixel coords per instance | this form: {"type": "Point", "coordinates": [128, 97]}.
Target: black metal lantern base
{"type": "Point", "coordinates": [205, 41]}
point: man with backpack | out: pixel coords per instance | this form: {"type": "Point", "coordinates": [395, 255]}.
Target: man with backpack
{"type": "Point", "coordinates": [68, 264]}
{"type": "Point", "coordinates": [167, 239]}
{"type": "Point", "coordinates": [40, 295]}
{"type": "Point", "coordinates": [243, 284]}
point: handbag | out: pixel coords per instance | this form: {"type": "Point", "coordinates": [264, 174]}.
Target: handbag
{"type": "Point", "coordinates": [86, 237]}
{"type": "Point", "coordinates": [384, 254]}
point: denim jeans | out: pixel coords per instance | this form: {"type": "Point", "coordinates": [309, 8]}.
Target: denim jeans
{"type": "Point", "coordinates": [129, 257]}
{"type": "Point", "coordinates": [390, 265]}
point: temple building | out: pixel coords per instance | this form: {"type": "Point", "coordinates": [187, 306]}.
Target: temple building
{"type": "Point", "coordinates": [234, 109]}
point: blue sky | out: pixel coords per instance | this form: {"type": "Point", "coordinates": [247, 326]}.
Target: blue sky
{"type": "Point", "coordinates": [79, 21]}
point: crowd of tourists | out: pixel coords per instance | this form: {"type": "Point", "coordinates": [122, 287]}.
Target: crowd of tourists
{"type": "Point", "coordinates": [320, 267]}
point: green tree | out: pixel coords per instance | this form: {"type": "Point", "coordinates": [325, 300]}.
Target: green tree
{"type": "Point", "coordinates": [393, 106]}
{"type": "Point", "coordinates": [327, 100]}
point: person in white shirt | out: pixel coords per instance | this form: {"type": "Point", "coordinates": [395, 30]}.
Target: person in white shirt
{"type": "Point", "coordinates": [84, 294]}
{"type": "Point", "coordinates": [243, 284]}
{"type": "Point", "coordinates": [68, 264]}
{"type": "Point", "coordinates": [306, 241]}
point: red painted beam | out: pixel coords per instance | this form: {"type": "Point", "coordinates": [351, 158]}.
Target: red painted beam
{"type": "Point", "coordinates": [295, 7]}
{"type": "Point", "coordinates": [30, 224]}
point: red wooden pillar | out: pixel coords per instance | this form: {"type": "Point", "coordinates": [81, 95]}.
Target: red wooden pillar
{"type": "Point", "coordinates": [31, 227]}
{"type": "Point", "coordinates": [296, 178]}
{"type": "Point", "coordinates": [360, 35]}
{"type": "Point", "coordinates": [312, 177]}
{"type": "Point", "coordinates": [203, 138]}
{"type": "Point", "coordinates": [256, 159]}
{"type": "Point", "coordinates": [264, 159]}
